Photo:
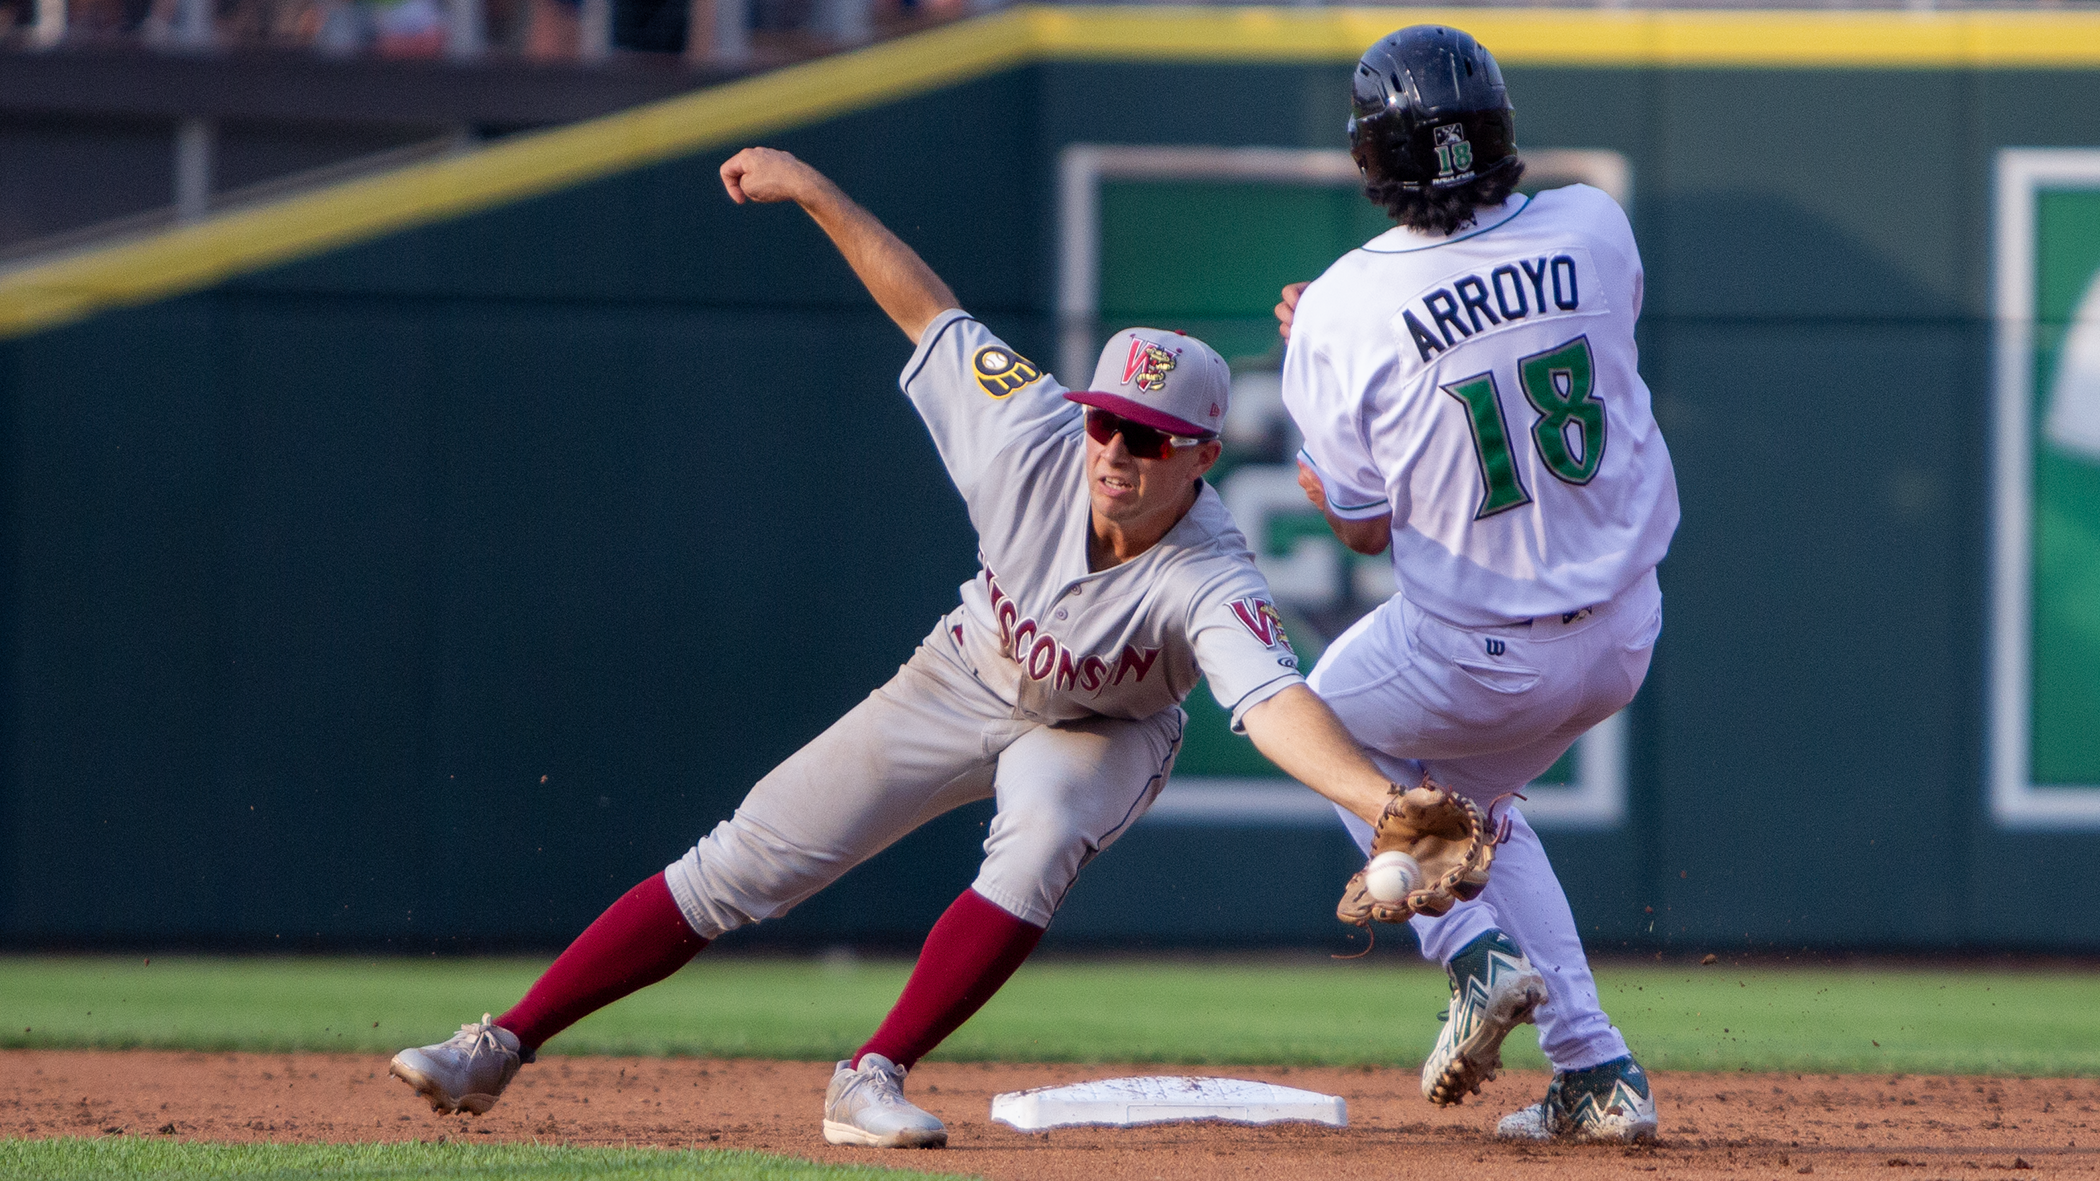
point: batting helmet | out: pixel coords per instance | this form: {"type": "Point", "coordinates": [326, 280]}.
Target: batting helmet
{"type": "Point", "coordinates": [1428, 110]}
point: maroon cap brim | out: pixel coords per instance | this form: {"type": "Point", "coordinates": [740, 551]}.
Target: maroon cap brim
{"type": "Point", "coordinates": [1140, 413]}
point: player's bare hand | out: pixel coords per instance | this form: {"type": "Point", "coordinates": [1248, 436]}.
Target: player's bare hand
{"type": "Point", "coordinates": [1308, 479]}
{"type": "Point", "coordinates": [767, 175]}
{"type": "Point", "coordinates": [1289, 307]}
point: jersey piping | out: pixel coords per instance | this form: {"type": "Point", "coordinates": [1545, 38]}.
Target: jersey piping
{"type": "Point", "coordinates": [1340, 509]}
{"type": "Point", "coordinates": [1255, 696]}
{"type": "Point", "coordinates": [1475, 233]}
{"type": "Point", "coordinates": [926, 348]}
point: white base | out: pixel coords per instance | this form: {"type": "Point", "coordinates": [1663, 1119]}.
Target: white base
{"type": "Point", "coordinates": [1159, 1098]}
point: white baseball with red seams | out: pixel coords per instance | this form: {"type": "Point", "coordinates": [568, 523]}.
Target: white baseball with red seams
{"type": "Point", "coordinates": [1392, 876]}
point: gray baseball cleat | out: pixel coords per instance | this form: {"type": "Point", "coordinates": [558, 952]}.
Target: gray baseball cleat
{"type": "Point", "coordinates": [1494, 989]}
{"type": "Point", "coordinates": [867, 1107]}
{"type": "Point", "coordinates": [1608, 1103]}
{"type": "Point", "coordinates": [468, 1071]}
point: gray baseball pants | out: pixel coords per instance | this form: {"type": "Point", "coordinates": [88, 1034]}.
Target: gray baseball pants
{"type": "Point", "coordinates": [932, 739]}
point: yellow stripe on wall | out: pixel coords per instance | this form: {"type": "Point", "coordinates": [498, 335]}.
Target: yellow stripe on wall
{"type": "Point", "coordinates": [1583, 37]}
{"type": "Point", "coordinates": [197, 256]}
{"type": "Point", "coordinates": [194, 257]}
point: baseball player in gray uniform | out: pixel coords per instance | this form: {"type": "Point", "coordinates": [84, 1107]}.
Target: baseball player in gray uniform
{"type": "Point", "coordinates": [1111, 580]}
{"type": "Point", "coordinates": [1467, 389]}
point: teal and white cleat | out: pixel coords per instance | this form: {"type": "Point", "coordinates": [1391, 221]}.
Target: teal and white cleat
{"type": "Point", "coordinates": [467, 1072]}
{"type": "Point", "coordinates": [867, 1107]}
{"type": "Point", "coordinates": [1494, 989]}
{"type": "Point", "coordinates": [1608, 1103]}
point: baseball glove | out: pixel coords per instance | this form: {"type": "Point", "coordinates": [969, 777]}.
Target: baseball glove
{"type": "Point", "coordinates": [1448, 835]}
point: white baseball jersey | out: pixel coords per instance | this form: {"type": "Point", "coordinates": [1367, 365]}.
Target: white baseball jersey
{"type": "Point", "coordinates": [1053, 638]}
{"type": "Point", "coordinates": [1483, 390]}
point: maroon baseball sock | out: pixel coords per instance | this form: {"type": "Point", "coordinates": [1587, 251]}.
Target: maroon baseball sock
{"type": "Point", "coordinates": [968, 955]}
{"type": "Point", "coordinates": [638, 941]}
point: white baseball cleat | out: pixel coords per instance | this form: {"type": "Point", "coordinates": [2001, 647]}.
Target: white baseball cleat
{"type": "Point", "coordinates": [867, 1107]}
{"type": "Point", "coordinates": [1494, 989]}
{"type": "Point", "coordinates": [467, 1072]}
{"type": "Point", "coordinates": [1608, 1103]}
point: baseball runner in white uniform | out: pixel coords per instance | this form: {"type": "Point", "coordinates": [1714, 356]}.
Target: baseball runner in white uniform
{"type": "Point", "coordinates": [1467, 390]}
{"type": "Point", "coordinates": [1111, 579]}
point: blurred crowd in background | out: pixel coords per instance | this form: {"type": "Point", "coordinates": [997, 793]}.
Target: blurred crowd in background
{"type": "Point", "coordinates": [530, 30]}
{"type": "Point", "coordinates": [583, 31]}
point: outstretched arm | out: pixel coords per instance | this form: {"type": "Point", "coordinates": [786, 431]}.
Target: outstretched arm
{"type": "Point", "coordinates": [901, 282]}
{"type": "Point", "coordinates": [1303, 737]}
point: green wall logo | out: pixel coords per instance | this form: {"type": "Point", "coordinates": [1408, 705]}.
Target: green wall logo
{"type": "Point", "coordinates": [2045, 658]}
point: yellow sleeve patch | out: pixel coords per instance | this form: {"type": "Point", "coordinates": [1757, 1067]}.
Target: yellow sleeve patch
{"type": "Point", "coordinates": [1001, 371]}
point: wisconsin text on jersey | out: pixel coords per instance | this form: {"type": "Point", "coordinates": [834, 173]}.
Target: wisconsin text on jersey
{"type": "Point", "coordinates": [1045, 658]}
{"type": "Point", "coordinates": [1520, 290]}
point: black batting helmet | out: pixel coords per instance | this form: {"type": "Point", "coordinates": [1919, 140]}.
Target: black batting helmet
{"type": "Point", "coordinates": [1428, 110]}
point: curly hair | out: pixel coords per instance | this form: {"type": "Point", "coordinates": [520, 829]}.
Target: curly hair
{"type": "Point", "coordinates": [1446, 211]}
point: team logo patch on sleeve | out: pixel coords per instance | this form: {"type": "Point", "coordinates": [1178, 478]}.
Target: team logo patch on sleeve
{"type": "Point", "coordinates": [1262, 621]}
{"type": "Point", "coordinates": [1001, 371]}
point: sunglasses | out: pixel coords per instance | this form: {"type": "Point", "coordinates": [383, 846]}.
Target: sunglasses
{"type": "Point", "coordinates": [1143, 441]}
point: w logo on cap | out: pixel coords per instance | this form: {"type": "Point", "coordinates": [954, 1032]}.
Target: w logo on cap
{"type": "Point", "coordinates": [1149, 364]}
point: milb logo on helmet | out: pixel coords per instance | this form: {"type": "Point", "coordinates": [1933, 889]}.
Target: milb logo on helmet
{"type": "Point", "coordinates": [1454, 156]}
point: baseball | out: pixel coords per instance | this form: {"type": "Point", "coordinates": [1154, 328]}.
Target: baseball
{"type": "Point", "coordinates": [1392, 876]}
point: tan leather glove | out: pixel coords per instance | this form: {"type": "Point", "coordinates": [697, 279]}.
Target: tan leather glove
{"type": "Point", "coordinates": [1448, 835]}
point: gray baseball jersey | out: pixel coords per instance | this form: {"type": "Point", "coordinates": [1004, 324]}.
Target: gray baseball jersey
{"type": "Point", "coordinates": [1056, 640]}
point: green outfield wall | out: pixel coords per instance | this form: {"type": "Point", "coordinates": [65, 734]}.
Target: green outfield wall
{"type": "Point", "coordinates": [419, 564]}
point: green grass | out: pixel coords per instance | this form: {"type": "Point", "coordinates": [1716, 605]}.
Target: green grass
{"type": "Point", "coordinates": [1310, 1011]}
{"type": "Point", "coordinates": [66, 1160]}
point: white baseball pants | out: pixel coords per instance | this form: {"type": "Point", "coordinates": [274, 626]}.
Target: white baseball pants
{"type": "Point", "coordinates": [1484, 711]}
{"type": "Point", "coordinates": [932, 739]}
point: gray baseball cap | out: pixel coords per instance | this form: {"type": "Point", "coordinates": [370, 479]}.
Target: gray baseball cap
{"type": "Point", "coordinates": [1169, 381]}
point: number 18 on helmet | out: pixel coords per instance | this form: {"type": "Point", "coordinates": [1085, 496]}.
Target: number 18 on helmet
{"type": "Point", "coordinates": [1428, 110]}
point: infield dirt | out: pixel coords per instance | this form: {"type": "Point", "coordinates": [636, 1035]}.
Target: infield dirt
{"type": "Point", "coordinates": [1777, 1125]}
